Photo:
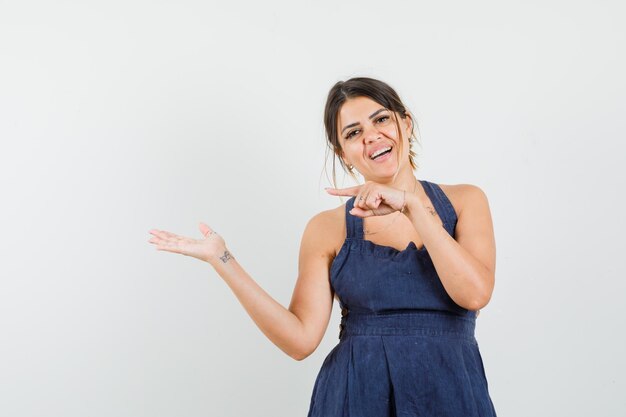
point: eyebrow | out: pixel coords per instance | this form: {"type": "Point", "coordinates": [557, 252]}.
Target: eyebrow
{"type": "Point", "coordinates": [371, 117]}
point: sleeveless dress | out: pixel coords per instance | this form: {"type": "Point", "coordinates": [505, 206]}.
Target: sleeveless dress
{"type": "Point", "coordinates": [406, 348]}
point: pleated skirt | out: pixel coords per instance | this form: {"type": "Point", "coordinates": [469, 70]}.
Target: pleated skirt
{"type": "Point", "coordinates": [403, 364]}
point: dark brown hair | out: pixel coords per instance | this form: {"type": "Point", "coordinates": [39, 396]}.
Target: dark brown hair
{"type": "Point", "coordinates": [371, 88]}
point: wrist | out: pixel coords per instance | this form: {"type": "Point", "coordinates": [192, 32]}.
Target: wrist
{"type": "Point", "coordinates": [220, 258]}
{"type": "Point", "coordinates": [414, 204]}
{"type": "Point", "coordinates": [410, 204]}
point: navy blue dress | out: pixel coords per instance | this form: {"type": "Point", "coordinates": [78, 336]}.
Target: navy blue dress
{"type": "Point", "coordinates": [406, 348]}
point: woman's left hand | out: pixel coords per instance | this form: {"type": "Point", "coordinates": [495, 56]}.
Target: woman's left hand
{"type": "Point", "coordinates": [372, 199]}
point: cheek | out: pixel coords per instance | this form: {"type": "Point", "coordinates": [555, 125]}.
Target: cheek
{"type": "Point", "coordinates": [390, 131]}
{"type": "Point", "coordinates": [343, 153]}
{"type": "Point", "coordinates": [350, 150]}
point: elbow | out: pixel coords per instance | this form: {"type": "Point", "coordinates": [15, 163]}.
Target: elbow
{"type": "Point", "coordinates": [479, 302]}
{"type": "Point", "coordinates": [299, 357]}
{"type": "Point", "coordinates": [481, 295]}
{"type": "Point", "coordinates": [475, 306]}
{"type": "Point", "coordinates": [301, 354]}
{"type": "Point", "coordinates": [302, 345]}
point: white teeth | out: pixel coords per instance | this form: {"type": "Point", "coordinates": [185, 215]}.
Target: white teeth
{"type": "Point", "coordinates": [378, 152]}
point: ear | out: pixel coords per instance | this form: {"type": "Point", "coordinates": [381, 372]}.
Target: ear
{"type": "Point", "coordinates": [409, 122]}
{"type": "Point", "coordinates": [342, 155]}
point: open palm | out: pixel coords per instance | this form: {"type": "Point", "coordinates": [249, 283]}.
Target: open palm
{"type": "Point", "coordinates": [204, 249]}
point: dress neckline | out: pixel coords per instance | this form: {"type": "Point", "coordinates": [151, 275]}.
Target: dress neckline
{"type": "Point", "coordinates": [440, 201]}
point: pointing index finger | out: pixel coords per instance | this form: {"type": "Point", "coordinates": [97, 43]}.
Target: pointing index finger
{"type": "Point", "coordinates": [343, 191]}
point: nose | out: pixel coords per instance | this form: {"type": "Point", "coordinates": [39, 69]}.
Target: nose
{"type": "Point", "coordinates": [371, 134]}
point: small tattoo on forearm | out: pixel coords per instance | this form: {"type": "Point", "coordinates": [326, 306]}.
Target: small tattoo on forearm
{"type": "Point", "coordinates": [431, 210]}
{"type": "Point", "coordinates": [226, 256]}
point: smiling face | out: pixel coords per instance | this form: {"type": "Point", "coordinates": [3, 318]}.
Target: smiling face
{"type": "Point", "coordinates": [370, 139]}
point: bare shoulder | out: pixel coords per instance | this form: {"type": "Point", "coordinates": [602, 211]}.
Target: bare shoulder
{"type": "Point", "coordinates": [463, 195]}
{"type": "Point", "coordinates": [327, 229]}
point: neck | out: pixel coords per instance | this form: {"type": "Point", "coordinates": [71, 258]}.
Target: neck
{"type": "Point", "coordinates": [405, 180]}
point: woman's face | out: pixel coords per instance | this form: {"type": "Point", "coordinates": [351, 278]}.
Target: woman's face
{"type": "Point", "coordinates": [369, 139]}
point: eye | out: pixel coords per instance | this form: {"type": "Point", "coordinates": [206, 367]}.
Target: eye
{"type": "Point", "coordinates": [382, 119]}
{"type": "Point", "coordinates": [351, 133]}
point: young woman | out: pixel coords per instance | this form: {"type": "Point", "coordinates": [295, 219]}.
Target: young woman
{"type": "Point", "coordinates": [411, 262]}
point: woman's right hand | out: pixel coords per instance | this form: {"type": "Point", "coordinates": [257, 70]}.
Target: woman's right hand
{"type": "Point", "coordinates": [208, 249]}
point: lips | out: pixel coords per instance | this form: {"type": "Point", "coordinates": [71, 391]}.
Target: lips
{"type": "Point", "coordinates": [379, 149]}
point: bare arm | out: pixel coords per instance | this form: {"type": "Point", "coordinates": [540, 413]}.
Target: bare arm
{"type": "Point", "coordinates": [298, 330]}
{"type": "Point", "coordinates": [466, 266]}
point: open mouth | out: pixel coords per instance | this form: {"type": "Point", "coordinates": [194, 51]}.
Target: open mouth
{"type": "Point", "coordinates": [381, 153]}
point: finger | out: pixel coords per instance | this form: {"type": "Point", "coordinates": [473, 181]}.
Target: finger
{"type": "Point", "coordinates": [163, 234]}
{"type": "Point", "coordinates": [364, 203]}
{"type": "Point", "coordinates": [362, 200]}
{"type": "Point", "coordinates": [168, 240]}
{"type": "Point", "coordinates": [367, 200]}
{"type": "Point", "coordinates": [205, 229]}
{"type": "Point", "coordinates": [176, 246]}
{"type": "Point", "coordinates": [169, 247]}
{"type": "Point", "coordinates": [157, 238]}
{"type": "Point", "coordinates": [373, 200]}
{"type": "Point", "coordinates": [359, 212]}
{"type": "Point", "coordinates": [359, 198]}
{"type": "Point", "coordinates": [350, 191]}
{"type": "Point", "coordinates": [159, 242]}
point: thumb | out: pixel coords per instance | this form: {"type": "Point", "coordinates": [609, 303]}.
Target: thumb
{"type": "Point", "coordinates": [204, 229]}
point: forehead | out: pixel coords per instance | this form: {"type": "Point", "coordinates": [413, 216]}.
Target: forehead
{"type": "Point", "coordinates": [356, 110]}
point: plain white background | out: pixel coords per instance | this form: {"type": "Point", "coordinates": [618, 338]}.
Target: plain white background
{"type": "Point", "coordinates": [122, 116]}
